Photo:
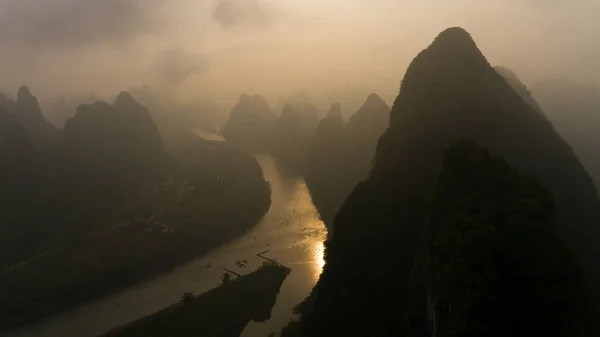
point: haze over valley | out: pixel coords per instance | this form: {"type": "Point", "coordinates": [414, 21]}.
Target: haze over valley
{"type": "Point", "coordinates": [299, 168]}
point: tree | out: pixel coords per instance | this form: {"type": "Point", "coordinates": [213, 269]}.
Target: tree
{"type": "Point", "coordinates": [225, 278]}
{"type": "Point", "coordinates": [187, 298]}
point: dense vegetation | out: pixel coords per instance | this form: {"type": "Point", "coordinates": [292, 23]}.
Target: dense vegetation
{"type": "Point", "coordinates": [341, 157]}
{"type": "Point", "coordinates": [224, 311]}
{"type": "Point", "coordinates": [449, 91]}
{"type": "Point", "coordinates": [491, 263]}
{"type": "Point", "coordinates": [171, 113]}
{"type": "Point", "coordinates": [112, 204]}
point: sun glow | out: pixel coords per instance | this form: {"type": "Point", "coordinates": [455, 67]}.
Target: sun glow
{"type": "Point", "coordinates": [319, 258]}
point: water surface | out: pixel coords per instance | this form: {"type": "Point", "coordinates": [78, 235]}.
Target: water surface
{"type": "Point", "coordinates": [292, 232]}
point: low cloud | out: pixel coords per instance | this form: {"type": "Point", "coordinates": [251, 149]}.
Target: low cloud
{"type": "Point", "coordinates": [175, 65]}
{"type": "Point", "coordinates": [256, 14]}
{"type": "Point", "coordinates": [76, 23]}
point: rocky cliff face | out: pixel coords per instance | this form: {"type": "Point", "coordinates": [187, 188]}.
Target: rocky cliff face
{"type": "Point", "coordinates": [491, 254]}
{"type": "Point", "coordinates": [450, 91]}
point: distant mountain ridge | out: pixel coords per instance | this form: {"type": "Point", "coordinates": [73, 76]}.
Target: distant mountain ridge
{"type": "Point", "coordinates": [18, 165]}
{"type": "Point", "coordinates": [519, 87]}
{"type": "Point", "coordinates": [574, 110]}
{"type": "Point", "coordinates": [124, 132]}
{"type": "Point", "coordinates": [342, 155]}
{"type": "Point", "coordinates": [292, 135]}
{"type": "Point", "coordinates": [108, 206]}
{"type": "Point", "coordinates": [250, 123]}
{"type": "Point", "coordinates": [26, 111]}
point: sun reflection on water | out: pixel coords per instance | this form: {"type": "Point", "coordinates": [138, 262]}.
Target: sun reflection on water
{"type": "Point", "coordinates": [318, 258]}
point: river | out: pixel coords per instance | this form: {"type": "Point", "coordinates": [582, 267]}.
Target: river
{"type": "Point", "coordinates": [291, 230]}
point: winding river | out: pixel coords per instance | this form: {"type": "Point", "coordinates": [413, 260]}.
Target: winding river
{"type": "Point", "coordinates": [292, 232]}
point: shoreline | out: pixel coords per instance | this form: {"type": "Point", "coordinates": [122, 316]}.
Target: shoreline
{"type": "Point", "coordinates": [145, 273]}
{"type": "Point", "coordinates": [258, 290]}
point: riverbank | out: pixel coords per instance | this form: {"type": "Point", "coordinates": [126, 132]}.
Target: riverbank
{"type": "Point", "coordinates": [291, 231]}
{"type": "Point", "coordinates": [218, 194]}
{"type": "Point", "coordinates": [224, 311]}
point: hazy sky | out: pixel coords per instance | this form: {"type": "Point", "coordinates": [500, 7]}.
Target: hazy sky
{"type": "Point", "coordinates": [221, 48]}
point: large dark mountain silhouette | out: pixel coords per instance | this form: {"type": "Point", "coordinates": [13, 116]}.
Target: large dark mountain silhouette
{"type": "Point", "coordinates": [328, 139]}
{"type": "Point", "coordinates": [362, 133]}
{"type": "Point", "coordinates": [13, 137]}
{"type": "Point", "coordinates": [26, 111]}
{"type": "Point", "coordinates": [292, 135]}
{"type": "Point", "coordinates": [124, 134]}
{"type": "Point", "coordinates": [574, 110]}
{"type": "Point", "coordinates": [324, 168]}
{"type": "Point", "coordinates": [98, 202]}
{"type": "Point", "coordinates": [250, 123]}
{"type": "Point", "coordinates": [106, 153]}
{"type": "Point", "coordinates": [22, 193]}
{"type": "Point", "coordinates": [450, 91]}
{"type": "Point", "coordinates": [341, 157]}
{"type": "Point", "coordinates": [491, 255]}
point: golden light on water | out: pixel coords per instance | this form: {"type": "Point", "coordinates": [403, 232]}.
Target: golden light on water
{"type": "Point", "coordinates": [319, 258]}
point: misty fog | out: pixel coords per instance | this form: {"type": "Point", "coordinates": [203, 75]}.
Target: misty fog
{"type": "Point", "coordinates": [220, 48]}
{"type": "Point", "coordinates": [424, 168]}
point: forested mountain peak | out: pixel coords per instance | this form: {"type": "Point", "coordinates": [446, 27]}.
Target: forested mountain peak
{"type": "Point", "coordinates": [491, 254]}
{"type": "Point", "coordinates": [449, 92]}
